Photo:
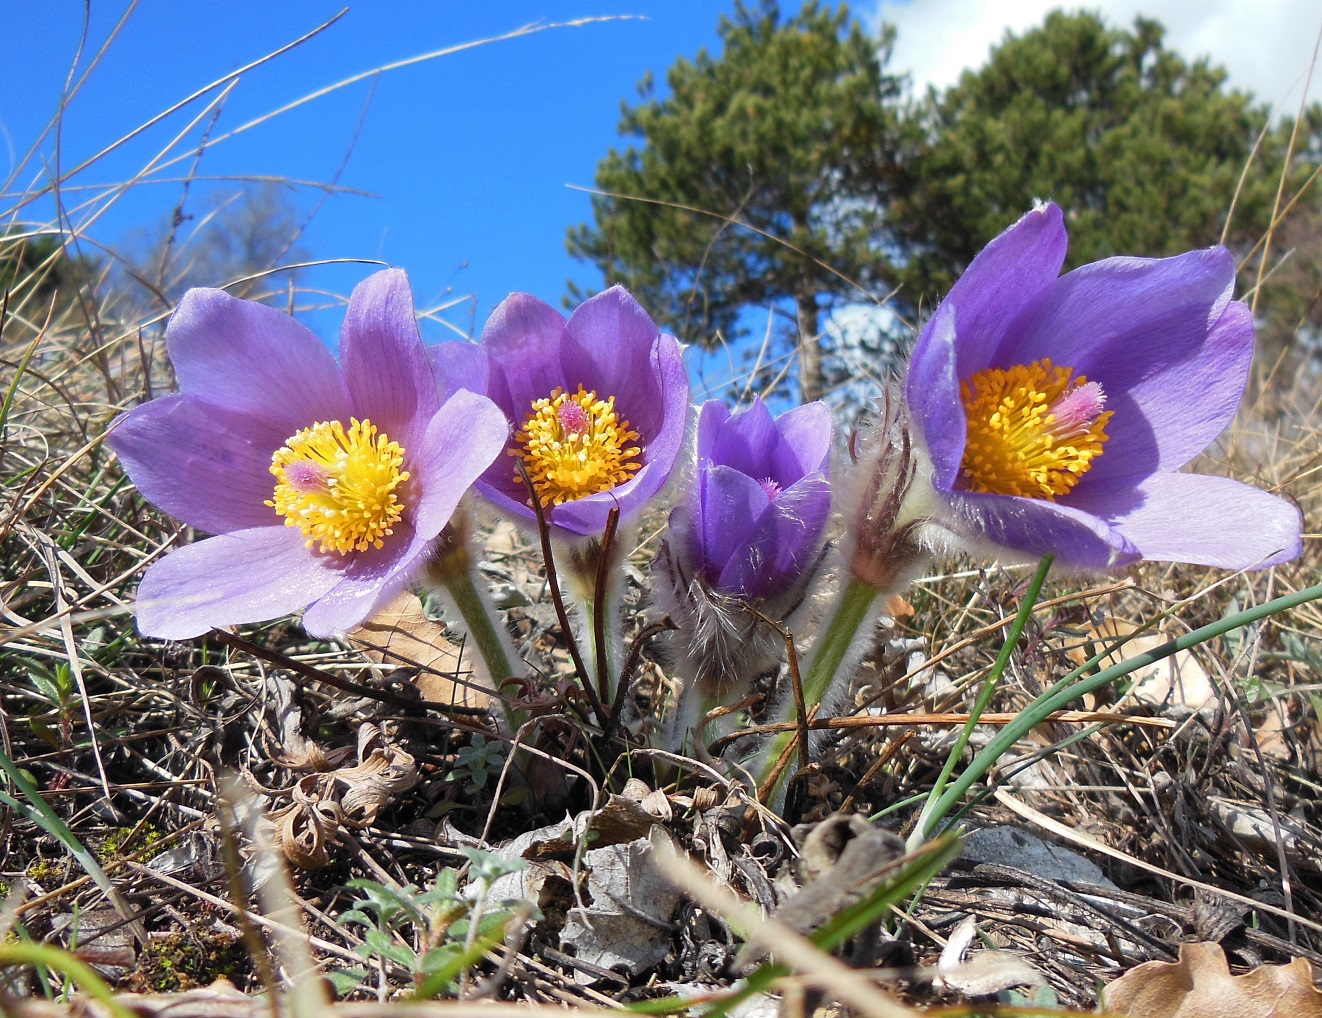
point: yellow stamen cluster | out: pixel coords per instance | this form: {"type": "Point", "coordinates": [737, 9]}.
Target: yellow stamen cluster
{"type": "Point", "coordinates": [575, 445]}
{"type": "Point", "coordinates": [1016, 444]}
{"type": "Point", "coordinates": [339, 487]}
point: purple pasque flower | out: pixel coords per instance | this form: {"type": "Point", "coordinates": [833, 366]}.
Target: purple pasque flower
{"type": "Point", "coordinates": [324, 482]}
{"type": "Point", "coordinates": [753, 524]}
{"type": "Point", "coordinates": [597, 405]}
{"type": "Point", "coordinates": [744, 545]}
{"type": "Point", "coordinates": [1057, 410]}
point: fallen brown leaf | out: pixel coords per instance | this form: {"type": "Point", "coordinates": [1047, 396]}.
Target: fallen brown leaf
{"type": "Point", "coordinates": [1200, 985]}
{"type": "Point", "coordinates": [1178, 679]}
{"type": "Point", "coordinates": [400, 634]}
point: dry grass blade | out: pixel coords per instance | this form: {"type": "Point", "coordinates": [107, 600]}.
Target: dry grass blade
{"type": "Point", "coordinates": [798, 952]}
{"type": "Point", "coordinates": [396, 65]}
{"type": "Point", "coordinates": [1069, 834]}
{"type": "Point", "coordinates": [166, 113]}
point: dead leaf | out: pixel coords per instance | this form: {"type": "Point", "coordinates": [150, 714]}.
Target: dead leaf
{"type": "Point", "coordinates": [844, 858]}
{"type": "Point", "coordinates": [627, 921]}
{"type": "Point", "coordinates": [654, 802]}
{"type": "Point", "coordinates": [897, 608]}
{"type": "Point", "coordinates": [291, 747]}
{"type": "Point", "coordinates": [1175, 680]}
{"type": "Point", "coordinates": [350, 797]}
{"type": "Point", "coordinates": [984, 972]}
{"type": "Point", "coordinates": [401, 635]}
{"type": "Point", "coordinates": [1200, 985]}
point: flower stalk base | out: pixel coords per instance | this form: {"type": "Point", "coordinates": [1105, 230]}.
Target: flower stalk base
{"type": "Point", "coordinates": [450, 576]}
{"type": "Point", "coordinates": [843, 641]}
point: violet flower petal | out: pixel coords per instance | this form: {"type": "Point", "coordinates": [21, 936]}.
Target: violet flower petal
{"type": "Point", "coordinates": [587, 516]}
{"type": "Point", "coordinates": [781, 544]}
{"type": "Point", "coordinates": [1034, 527]}
{"type": "Point", "coordinates": [805, 445]}
{"type": "Point", "coordinates": [1164, 421]}
{"type": "Point", "coordinates": [383, 358]}
{"type": "Point", "coordinates": [204, 465]}
{"type": "Point", "coordinates": [240, 577]}
{"type": "Point", "coordinates": [1140, 327]}
{"type": "Point", "coordinates": [746, 441]}
{"type": "Point", "coordinates": [932, 392]}
{"type": "Point", "coordinates": [522, 340]}
{"type": "Point", "coordinates": [456, 446]}
{"type": "Point", "coordinates": [610, 346]}
{"type": "Point", "coordinates": [1002, 279]}
{"type": "Point", "coordinates": [1122, 315]}
{"type": "Point", "coordinates": [732, 504]}
{"type": "Point", "coordinates": [460, 365]}
{"type": "Point", "coordinates": [367, 579]}
{"type": "Point", "coordinates": [244, 356]}
{"type": "Point", "coordinates": [460, 442]}
{"type": "Point", "coordinates": [1210, 521]}
{"type": "Point", "coordinates": [712, 416]}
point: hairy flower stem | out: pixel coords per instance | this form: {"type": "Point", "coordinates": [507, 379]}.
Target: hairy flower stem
{"type": "Point", "coordinates": [684, 728]}
{"type": "Point", "coordinates": [843, 641]}
{"type": "Point", "coordinates": [450, 574]}
{"type": "Point", "coordinates": [476, 610]}
{"type": "Point", "coordinates": [594, 574]}
{"type": "Point", "coordinates": [927, 819]}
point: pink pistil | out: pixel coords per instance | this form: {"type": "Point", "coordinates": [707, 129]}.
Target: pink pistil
{"type": "Point", "coordinates": [573, 418]}
{"type": "Point", "coordinates": [1076, 410]}
{"type": "Point", "coordinates": [770, 487]}
{"type": "Point", "coordinates": [305, 476]}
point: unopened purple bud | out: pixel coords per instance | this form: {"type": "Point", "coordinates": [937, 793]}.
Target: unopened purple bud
{"type": "Point", "coordinates": [749, 536]}
{"type": "Point", "coordinates": [761, 500]}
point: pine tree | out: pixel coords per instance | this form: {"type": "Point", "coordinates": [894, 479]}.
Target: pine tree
{"type": "Point", "coordinates": [1143, 150]}
{"type": "Point", "coordinates": [760, 180]}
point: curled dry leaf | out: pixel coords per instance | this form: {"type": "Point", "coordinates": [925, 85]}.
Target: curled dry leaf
{"type": "Point", "coordinates": [291, 748]}
{"type": "Point", "coordinates": [984, 972]}
{"type": "Point", "coordinates": [322, 803]}
{"type": "Point", "coordinates": [1200, 985]}
{"type": "Point", "coordinates": [401, 635]}
{"type": "Point", "coordinates": [844, 858]}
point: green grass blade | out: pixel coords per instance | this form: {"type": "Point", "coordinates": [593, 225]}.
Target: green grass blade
{"type": "Point", "coordinates": [1071, 687]}
{"type": "Point", "coordinates": [8, 403]}
{"type": "Point", "coordinates": [930, 817]}
{"type": "Point", "coordinates": [40, 813]}
{"type": "Point", "coordinates": [59, 960]}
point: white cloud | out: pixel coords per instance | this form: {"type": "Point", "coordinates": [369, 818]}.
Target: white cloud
{"type": "Point", "coordinates": [1266, 45]}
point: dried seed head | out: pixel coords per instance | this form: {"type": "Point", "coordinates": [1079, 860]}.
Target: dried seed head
{"type": "Point", "coordinates": [887, 513]}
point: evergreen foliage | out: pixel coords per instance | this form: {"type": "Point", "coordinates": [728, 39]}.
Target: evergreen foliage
{"type": "Point", "coordinates": [760, 180]}
{"type": "Point", "coordinates": [1142, 148]}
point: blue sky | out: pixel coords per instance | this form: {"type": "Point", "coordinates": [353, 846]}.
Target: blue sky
{"type": "Point", "coordinates": [467, 156]}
